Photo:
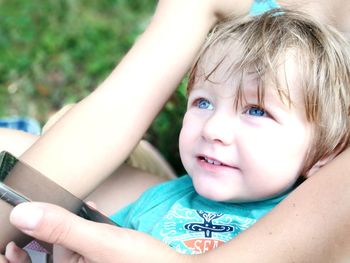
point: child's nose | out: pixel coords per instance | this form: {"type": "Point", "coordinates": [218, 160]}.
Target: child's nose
{"type": "Point", "coordinates": [220, 128]}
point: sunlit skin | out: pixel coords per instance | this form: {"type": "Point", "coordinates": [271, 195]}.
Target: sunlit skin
{"type": "Point", "coordinates": [249, 153]}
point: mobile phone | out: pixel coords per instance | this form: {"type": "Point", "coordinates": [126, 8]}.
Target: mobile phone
{"type": "Point", "coordinates": [38, 187]}
{"type": "Point", "coordinates": [10, 196]}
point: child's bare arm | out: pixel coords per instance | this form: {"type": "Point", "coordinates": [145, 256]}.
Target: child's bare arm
{"type": "Point", "coordinates": [121, 188]}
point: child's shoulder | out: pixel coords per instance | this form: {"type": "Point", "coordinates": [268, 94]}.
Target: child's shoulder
{"type": "Point", "coordinates": [157, 198]}
{"type": "Point", "coordinates": [173, 188]}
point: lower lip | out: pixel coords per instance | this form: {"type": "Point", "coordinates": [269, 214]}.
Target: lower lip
{"type": "Point", "coordinates": [218, 169]}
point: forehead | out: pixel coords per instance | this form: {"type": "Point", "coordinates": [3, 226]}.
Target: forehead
{"type": "Point", "coordinates": [225, 63]}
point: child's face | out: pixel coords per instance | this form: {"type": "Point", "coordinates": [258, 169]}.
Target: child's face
{"type": "Point", "coordinates": [248, 153]}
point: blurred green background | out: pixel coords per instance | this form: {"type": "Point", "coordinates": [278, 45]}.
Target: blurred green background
{"type": "Point", "coordinates": [55, 52]}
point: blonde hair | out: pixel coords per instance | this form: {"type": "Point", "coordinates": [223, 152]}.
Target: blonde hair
{"type": "Point", "coordinates": [323, 60]}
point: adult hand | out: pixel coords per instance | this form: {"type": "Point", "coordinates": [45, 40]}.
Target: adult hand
{"type": "Point", "coordinates": [223, 8]}
{"type": "Point", "coordinates": [87, 241]}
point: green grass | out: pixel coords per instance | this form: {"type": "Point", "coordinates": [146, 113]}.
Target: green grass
{"type": "Point", "coordinates": [55, 52]}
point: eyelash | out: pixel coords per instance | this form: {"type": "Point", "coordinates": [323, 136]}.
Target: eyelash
{"type": "Point", "coordinates": [247, 109]}
{"type": "Point", "coordinates": [256, 108]}
{"type": "Point", "coordinates": [198, 101]}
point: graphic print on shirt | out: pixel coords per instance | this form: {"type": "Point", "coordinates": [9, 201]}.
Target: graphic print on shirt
{"type": "Point", "coordinates": [193, 231]}
{"type": "Point", "coordinates": [208, 227]}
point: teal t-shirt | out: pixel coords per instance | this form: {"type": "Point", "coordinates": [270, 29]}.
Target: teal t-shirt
{"type": "Point", "coordinates": [174, 213]}
{"type": "Point", "coordinates": [261, 6]}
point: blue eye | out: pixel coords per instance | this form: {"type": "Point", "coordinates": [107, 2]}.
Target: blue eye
{"type": "Point", "coordinates": [204, 104]}
{"type": "Point", "coordinates": [256, 111]}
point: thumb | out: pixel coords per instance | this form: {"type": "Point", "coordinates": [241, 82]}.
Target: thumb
{"type": "Point", "coordinates": [96, 242]}
{"type": "Point", "coordinates": [55, 225]}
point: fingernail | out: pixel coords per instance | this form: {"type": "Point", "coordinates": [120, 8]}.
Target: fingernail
{"type": "Point", "coordinates": [26, 216]}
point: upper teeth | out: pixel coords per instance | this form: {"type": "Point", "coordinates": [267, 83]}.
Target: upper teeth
{"type": "Point", "coordinates": [212, 161]}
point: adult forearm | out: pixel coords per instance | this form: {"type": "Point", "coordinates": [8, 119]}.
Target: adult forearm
{"type": "Point", "coordinates": [95, 136]}
{"type": "Point", "coordinates": [15, 142]}
{"type": "Point", "coordinates": [331, 12]}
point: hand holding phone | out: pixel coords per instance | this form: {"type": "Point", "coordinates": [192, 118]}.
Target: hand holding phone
{"type": "Point", "coordinates": [21, 183]}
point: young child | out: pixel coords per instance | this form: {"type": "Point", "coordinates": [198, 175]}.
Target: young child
{"type": "Point", "coordinates": [268, 105]}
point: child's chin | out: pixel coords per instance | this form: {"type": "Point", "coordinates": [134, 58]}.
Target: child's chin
{"type": "Point", "coordinates": [212, 195]}
{"type": "Point", "coordinates": [221, 197]}
{"type": "Point", "coordinates": [210, 189]}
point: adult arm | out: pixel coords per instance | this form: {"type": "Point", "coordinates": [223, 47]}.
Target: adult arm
{"type": "Point", "coordinates": [15, 142]}
{"type": "Point", "coordinates": [112, 194]}
{"type": "Point", "coordinates": [86, 145]}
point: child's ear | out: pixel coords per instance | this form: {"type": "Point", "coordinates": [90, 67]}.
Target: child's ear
{"type": "Point", "coordinates": [320, 164]}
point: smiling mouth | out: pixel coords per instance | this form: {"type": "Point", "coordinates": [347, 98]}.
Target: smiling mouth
{"type": "Point", "coordinates": [214, 162]}
{"type": "Point", "coordinates": [211, 161]}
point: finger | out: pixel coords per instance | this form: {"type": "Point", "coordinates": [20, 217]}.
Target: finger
{"type": "Point", "coordinates": [3, 259]}
{"type": "Point", "coordinates": [14, 254]}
